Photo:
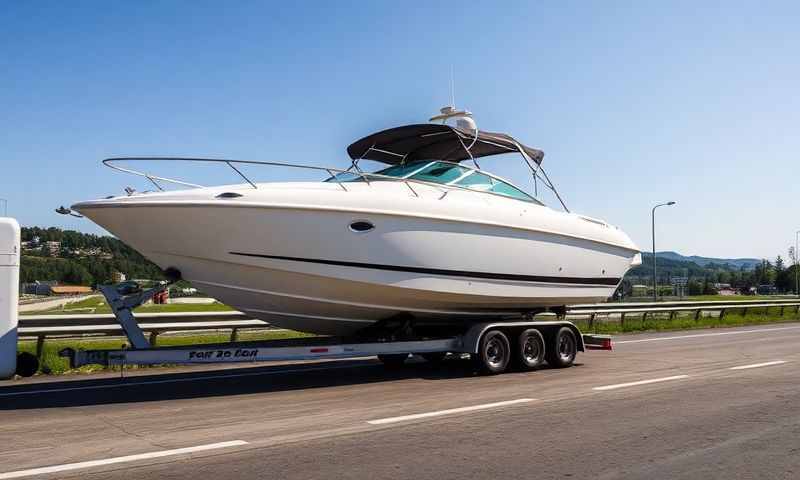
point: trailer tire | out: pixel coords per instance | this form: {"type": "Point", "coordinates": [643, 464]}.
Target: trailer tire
{"type": "Point", "coordinates": [433, 357]}
{"type": "Point", "coordinates": [494, 353]}
{"type": "Point", "coordinates": [530, 351]}
{"type": "Point", "coordinates": [393, 360]}
{"type": "Point", "coordinates": [27, 364]}
{"type": "Point", "coordinates": [563, 348]}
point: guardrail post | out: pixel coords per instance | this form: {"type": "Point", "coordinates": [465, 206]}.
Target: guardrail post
{"type": "Point", "coordinates": [644, 317]}
{"type": "Point", "coordinates": [154, 337]}
{"type": "Point", "coordinates": [782, 310]}
{"type": "Point", "coordinates": [622, 319]}
{"type": "Point", "coordinates": [672, 315]}
{"type": "Point", "coordinates": [235, 335]}
{"type": "Point", "coordinates": [591, 320]}
{"type": "Point", "coordinates": [40, 347]}
{"type": "Point", "coordinates": [722, 314]}
{"type": "Point", "coordinates": [697, 314]}
{"type": "Point", "coordinates": [744, 312]}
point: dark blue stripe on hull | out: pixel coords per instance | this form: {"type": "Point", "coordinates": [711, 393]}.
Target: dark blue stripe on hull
{"type": "Point", "coordinates": [447, 273]}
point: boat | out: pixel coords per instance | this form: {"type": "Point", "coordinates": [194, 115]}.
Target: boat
{"type": "Point", "coordinates": [429, 238]}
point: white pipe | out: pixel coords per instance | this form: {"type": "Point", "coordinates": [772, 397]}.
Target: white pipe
{"type": "Point", "coordinates": [9, 295]}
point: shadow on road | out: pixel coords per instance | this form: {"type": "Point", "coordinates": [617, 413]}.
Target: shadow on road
{"type": "Point", "coordinates": [221, 382]}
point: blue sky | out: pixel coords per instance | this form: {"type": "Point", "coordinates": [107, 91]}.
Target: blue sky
{"type": "Point", "coordinates": [634, 103]}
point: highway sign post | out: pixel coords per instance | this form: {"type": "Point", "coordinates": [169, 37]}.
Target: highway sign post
{"type": "Point", "coordinates": [679, 283]}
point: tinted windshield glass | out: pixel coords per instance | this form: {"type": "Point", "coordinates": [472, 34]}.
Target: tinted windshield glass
{"type": "Point", "coordinates": [476, 181]}
{"type": "Point", "coordinates": [403, 170]}
{"type": "Point", "coordinates": [485, 183]}
{"type": "Point", "coordinates": [399, 171]}
{"type": "Point", "coordinates": [444, 172]}
{"type": "Point", "coordinates": [440, 173]}
{"type": "Point", "coordinates": [503, 188]}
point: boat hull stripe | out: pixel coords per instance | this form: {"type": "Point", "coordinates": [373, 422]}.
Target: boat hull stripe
{"type": "Point", "coordinates": [448, 273]}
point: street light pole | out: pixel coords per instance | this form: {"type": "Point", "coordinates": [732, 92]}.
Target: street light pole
{"type": "Point", "coordinates": [796, 266]}
{"type": "Point", "coordinates": [653, 219]}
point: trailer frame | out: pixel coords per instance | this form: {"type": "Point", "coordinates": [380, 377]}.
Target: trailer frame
{"type": "Point", "coordinates": [124, 297]}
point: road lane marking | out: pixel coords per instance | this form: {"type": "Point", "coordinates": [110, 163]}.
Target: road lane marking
{"type": "Point", "coordinates": [127, 458]}
{"type": "Point", "coordinates": [641, 382]}
{"type": "Point", "coordinates": [757, 365]}
{"type": "Point", "coordinates": [697, 335]}
{"type": "Point", "coordinates": [451, 411]}
{"type": "Point", "coordinates": [181, 380]}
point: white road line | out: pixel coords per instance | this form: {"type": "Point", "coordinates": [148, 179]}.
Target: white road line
{"type": "Point", "coordinates": [384, 421]}
{"type": "Point", "coordinates": [110, 461]}
{"type": "Point", "coordinates": [697, 335]}
{"type": "Point", "coordinates": [641, 382]}
{"type": "Point", "coordinates": [177, 380]}
{"type": "Point", "coordinates": [757, 365]}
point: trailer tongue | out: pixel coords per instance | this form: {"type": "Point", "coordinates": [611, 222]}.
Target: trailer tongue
{"type": "Point", "coordinates": [493, 346]}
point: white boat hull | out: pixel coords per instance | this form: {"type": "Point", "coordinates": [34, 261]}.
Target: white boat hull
{"type": "Point", "coordinates": [298, 264]}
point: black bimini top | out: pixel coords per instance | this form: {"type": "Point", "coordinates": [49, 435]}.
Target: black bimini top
{"type": "Point", "coordinates": [431, 141]}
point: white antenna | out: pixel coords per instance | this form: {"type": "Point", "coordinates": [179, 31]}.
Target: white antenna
{"type": "Point", "coordinates": [452, 88]}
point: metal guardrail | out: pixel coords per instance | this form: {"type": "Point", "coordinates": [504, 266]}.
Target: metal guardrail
{"type": "Point", "coordinates": [65, 326]}
{"type": "Point", "coordinates": [704, 303]}
{"type": "Point", "coordinates": [673, 308]}
{"type": "Point", "coordinates": [42, 326]}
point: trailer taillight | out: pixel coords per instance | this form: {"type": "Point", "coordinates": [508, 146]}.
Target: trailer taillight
{"type": "Point", "coordinates": [596, 342]}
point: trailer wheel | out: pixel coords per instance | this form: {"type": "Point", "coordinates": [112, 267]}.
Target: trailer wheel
{"type": "Point", "coordinates": [530, 349]}
{"type": "Point", "coordinates": [494, 353]}
{"type": "Point", "coordinates": [27, 364]}
{"type": "Point", "coordinates": [393, 360]}
{"type": "Point", "coordinates": [433, 357]}
{"type": "Point", "coordinates": [563, 348]}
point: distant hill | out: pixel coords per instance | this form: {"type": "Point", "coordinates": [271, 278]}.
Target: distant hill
{"type": "Point", "coordinates": [79, 258]}
{"type": "Point", "coordinates": [748, 263]}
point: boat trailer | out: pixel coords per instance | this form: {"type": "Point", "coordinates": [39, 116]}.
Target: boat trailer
{"type": "Point", "coordinates": [123, 298]}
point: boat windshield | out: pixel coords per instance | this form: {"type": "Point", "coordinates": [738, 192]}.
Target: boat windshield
{"type": "Point", "coordinates": [445, 173]}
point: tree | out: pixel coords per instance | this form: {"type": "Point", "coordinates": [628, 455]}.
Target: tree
{"type": "Point", "coordinates": [694, 288]}
{"type": "Point", "coordinates": [790, 272]}
{"type": "Point", "coordinates": [83, 269]}
{"type": "Point", "coordinates": [784, 282]}
{"type": "Point", "coordinates": [708, 288]}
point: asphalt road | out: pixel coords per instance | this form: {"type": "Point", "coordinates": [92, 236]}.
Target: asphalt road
{"type": "Point", "coordinates": [660, 406]}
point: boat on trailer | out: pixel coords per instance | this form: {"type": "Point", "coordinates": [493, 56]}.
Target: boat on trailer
{"type": "Point", "coordinates": [429, 241]}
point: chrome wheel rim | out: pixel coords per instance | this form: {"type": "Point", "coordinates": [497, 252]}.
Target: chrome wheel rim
{"type": "Point", "coordinates": [566, 347]}
{"type": "Point", "coordinates": [495, 352]}
{"type": "Point", "coordinates": [530, 350]}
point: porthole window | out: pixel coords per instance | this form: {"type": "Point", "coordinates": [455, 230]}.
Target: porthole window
{"type": "Point", "coordinates": [361, 226]}
{"type": "Point", "coordinates": [229, 195]}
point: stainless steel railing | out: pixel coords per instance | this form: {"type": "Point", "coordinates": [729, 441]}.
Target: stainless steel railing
{"type": "Point", "coordinates": [332, 172]}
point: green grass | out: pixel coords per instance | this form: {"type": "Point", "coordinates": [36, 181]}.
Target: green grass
{"type": "Point", "coordinates": [709, 298]}
{"type": "Point", "coordinates": [99, 305]}
{"type": "Point", "coordinates": [51, 363]}
{"type": "Point", "coordinates": [686, 321]}
{"type": "Point", "coordinates": [733, 298]}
